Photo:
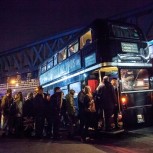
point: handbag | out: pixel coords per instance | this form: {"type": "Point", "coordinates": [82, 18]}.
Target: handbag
{"type": "Point", "coordinates": [92, 107]}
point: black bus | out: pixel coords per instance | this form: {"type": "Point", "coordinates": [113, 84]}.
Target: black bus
{"type": "Point", "coordinates": [111, 48]}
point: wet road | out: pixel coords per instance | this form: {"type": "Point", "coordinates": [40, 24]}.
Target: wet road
{"type": "Point", "coordinates": [138, 141]}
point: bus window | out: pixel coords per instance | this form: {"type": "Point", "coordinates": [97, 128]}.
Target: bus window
{"type": "Point", "coordinates": [61, 55]}
{"type": "Point", "coordinates": [76, 87]}
{"type": "Point", "coordinates": [43, 69]}
{"type": "Point", "coordinates": [50, 64]}
{"type": "Point", "coordinates": [73, 48]}
{"type": "Point", "coordinates": [125, 32]}
{"type": "Point", "coordinates": [55, 59]}
{"type": "Point", "coordinates": [85, 39]}
{"type": "Point", "coordinates": [134, 79]}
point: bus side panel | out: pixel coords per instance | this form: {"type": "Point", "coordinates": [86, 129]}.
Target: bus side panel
{"type": "Point", "coordinates": [139, 110]}
{"type": "Point", "coordinates": [133, 118]}
{"type": "Point", "coordinates": [138, 99]}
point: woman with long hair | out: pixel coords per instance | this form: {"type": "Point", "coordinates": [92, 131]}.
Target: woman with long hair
{"type": "Point", "coordinates": [90, 110]}
{"type": "Point", "coordinates": [19, 113]}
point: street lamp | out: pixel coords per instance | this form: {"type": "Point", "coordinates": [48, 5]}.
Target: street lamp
{"type": "Point", "coordinates": [12, 82]}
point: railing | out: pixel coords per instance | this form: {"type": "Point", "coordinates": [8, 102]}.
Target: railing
{"type": "Point", "coordinates": [21, 86]}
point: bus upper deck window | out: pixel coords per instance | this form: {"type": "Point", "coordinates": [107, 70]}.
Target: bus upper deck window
{"type": "Point", "coordinates": [125, 32]}
{"type": "Point", "coordinates": [85, 39]}
{"type": "Point", "coordinates": [73, 48]}
{"type": "Point", "coordinates": [50, 64]}
{"type": "Point", "coordinates": [43, 69]}
{"type": "Point", "coordinates": [55, 59]}
{"type": "Point", "coordinates": [62, 55]}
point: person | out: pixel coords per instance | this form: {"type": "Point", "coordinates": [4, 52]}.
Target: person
{"type": "Point", "coordinates": [39, 112]}
{"type": "Point", "coordinates": [108, 100]}
{"type": "Point", "coordinates": [28, 115]}
{"type": "Point", "coordinates": [89, 107]}
{"type": "Point", "coordinates": [71, 112]}
{"type": "Point", "coordinates": [116, 108]}
{"type": "Point", "coordinates": [7, 115]}
{"type": "Point", "coordinates": [55, 111]}
{"type": "Point", "coordinates": [47, 115]}
{"type": "Point", "coordinates": [64, 115]}
{"type": "Point", "coordinates": [88, 42]}
{"type": "Point", "coordinates": [81, 96]}
{"type": "Point", "coordinates": [18, 115]}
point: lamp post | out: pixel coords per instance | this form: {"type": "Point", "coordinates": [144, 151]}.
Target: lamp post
{"type": "Point", "coordinates": [7, 82]}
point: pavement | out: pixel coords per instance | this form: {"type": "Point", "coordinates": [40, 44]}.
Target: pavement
{"type": "Point", "coordinates": [134, 141]}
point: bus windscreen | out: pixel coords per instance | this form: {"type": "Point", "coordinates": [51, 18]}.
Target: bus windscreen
{"type": "Point", "coordinates": [125, 32]}
{"type": "Point", "coordinates": [134, 79]}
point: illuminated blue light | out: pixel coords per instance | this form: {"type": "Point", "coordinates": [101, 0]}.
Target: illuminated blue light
{"type": "Point", "coordinates": [85, 75]}
{"type": "Point", "coordinates": [150, 42]}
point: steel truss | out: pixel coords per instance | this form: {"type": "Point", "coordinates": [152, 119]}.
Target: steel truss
{"type": "Point", "coordinates": [28, 58]}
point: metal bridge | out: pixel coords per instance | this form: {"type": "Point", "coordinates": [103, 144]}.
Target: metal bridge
{"type": "Point", "coordinates": [24, 61]}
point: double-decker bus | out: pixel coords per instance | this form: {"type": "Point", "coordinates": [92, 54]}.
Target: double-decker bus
{"type": "Point", "coordinates": [111, 48]}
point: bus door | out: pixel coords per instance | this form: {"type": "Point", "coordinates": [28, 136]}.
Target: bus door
{"type": "Point", "coordinates": [136, 102]}
{"type": "Point", "coordinates": [112, 72]}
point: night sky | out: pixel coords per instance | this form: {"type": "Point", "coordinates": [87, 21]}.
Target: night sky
{"type": "Point", "coordinates": [26, 21]}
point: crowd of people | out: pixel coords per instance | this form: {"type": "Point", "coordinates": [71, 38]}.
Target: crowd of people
{"type": "Point", "coordinates": [41, 113]}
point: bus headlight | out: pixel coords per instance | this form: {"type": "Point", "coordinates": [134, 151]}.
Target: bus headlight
{"type": "Point", "coordinates": [124, 102]}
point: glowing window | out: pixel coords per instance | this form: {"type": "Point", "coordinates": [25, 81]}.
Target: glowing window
{"type": "Point", "coordinates": [85, 39]}
{"type": "Point", "coordinates": [62, 55]}
{"type": "Point", "coordinates": [134, 79]}
{"type": "Point", "coordinates": [73, 48]}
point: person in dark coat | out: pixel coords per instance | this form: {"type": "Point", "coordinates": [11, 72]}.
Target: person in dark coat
{"type": "Point", "coordinates": [39, 112]}
{"type": "Point", "coordinates": [116, 109]}
{"type": "Point", "coordinates": [108, 100]}
{"type": "Point", "coordinates": [55, 110]}
{"type": "Point", "coordinates": [81, 106]}
{"type": "Point", "coordinates": [64, 114]}
{"type": "Point", "coordinates": [28, 115]}
{"type": "Point", "coordinates": [48, 116]}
